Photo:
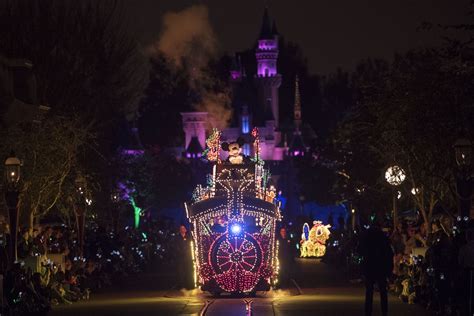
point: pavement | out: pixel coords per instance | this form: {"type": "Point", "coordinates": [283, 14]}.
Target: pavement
{"type": "Point", "coordinates": [318, 290]}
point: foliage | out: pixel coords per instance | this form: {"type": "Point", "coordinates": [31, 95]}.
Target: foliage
{"type": "Point", "coordinates": [168, 93]}
{"type": "Point", "coordinates": [156, 179]}
{"type": "Point", "coordinates": [83, 59]}
{"type": "Point", "coordinates": [49, 154]}
{"type": "Point", "coordinates": [88, 70]}
{"type": "Point", "coordinates": [408, 113]}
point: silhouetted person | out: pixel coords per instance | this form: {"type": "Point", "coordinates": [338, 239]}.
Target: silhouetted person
{"type": "Point", "coordinates": [377, 266]}
{"type": "Point", "coordinates": [285, 257]}
{"type": "Point", "coordinates": [184, 259]}
{"type": "Point", "coordinates": [442, 259]}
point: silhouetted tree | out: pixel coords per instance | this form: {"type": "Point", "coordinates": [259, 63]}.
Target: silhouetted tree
{"type": "Point", "coordinates": [88, 70]}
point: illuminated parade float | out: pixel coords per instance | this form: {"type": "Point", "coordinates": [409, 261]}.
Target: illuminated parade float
{"type": "Point", "coordinates": [233, 222]}
{"type": "Point", "coordinates": [313, 241]}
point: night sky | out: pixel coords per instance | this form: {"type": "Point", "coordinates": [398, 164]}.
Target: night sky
{"type": "Point", "coordinates": [332, 33]}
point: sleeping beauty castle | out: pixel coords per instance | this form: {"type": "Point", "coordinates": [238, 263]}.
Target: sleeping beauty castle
{"type": "Point", "coordinates": [255, 103]}
{"type": "Point", "coordinates": [261, 110]}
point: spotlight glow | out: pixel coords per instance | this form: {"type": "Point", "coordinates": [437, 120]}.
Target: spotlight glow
{"type": "Point", "coordinates": [235, 229]}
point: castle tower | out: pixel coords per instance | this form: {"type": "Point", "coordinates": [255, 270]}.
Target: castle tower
{"type": "Point", "coordinates": [297, 108]}
{"type": "Point", "coordinates": [194, 127]}
{"type": "Point", "coordinates": [245, 120]}
{"type": "Point", "coordinates": [267, 79]}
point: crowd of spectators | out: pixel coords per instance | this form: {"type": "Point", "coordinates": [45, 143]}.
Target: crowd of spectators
{"type": "Point", "coordinates": [431, 265]}
{"type": "Point", "coordinates": [51, 271]}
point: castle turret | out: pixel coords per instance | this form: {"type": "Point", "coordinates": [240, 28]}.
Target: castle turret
{"type": "Point", "coordinates": [268, 79]}
{"type": "Point", "coordinates": [194, 127]}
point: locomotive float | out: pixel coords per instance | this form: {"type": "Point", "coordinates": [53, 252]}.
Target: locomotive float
{"type": "Point", "coordinates": [233, 222]}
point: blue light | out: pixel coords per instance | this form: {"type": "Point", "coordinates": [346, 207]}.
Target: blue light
{"type": "Point", "coordinates": [246, 149]}
{"type": "Point", "coordinates": [235, 229]}
{"type": "Point", "coordinates": [245, 124]}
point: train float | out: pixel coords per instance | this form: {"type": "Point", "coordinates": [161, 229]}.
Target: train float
{"type": "Point", "coordinates": [233, 222]}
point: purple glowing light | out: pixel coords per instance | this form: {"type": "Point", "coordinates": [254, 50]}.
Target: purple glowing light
{"type": "Point", "coordinates": [267, 68]}
{"type": "Point", "coordinates": [133, 152]}
{"type": "Point", "coordinates": [267, 54]}
{"type": "Point", "coordinates": [193, 155]}
{"type": "Point", "coordinates": [124, 191]}
{"type": "Point", "coordinates": [267, 45]}
{"type": "Point", "coordinates": [235, 75]}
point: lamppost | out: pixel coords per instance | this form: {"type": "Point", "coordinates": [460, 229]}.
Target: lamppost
{"type": "Point", "coordinates": [353, 219]}
{"type": "Point", "coordinates": [359, 190]}
{"type": "Point", "coordinates": [464, 179]}
{"type": "Point", "coordinates": [395, 176]}
{"type": "Point", "coordinates": [12, 179]}
{"type": "Point", "coordinates": [115, 199]}
{"type": "Point", "coordinates": [80, 209]}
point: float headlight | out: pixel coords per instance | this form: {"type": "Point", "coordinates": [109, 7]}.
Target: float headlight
{"type": "Point", "coordinates": [236, 229]}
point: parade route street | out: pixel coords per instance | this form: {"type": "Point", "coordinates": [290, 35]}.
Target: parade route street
{"type": "Point", "coordinates": [323, 291]}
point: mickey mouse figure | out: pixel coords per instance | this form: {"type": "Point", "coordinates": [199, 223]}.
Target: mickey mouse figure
{"type": "Point", "coordinates": [235, 152]}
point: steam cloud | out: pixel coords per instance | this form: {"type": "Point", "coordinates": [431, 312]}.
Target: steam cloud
{"type": "Point", "coordinates": [188, 40]}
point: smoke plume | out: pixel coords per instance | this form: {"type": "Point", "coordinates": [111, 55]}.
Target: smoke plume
{"type": "Point", "coordinates": [188, 40]}
{"type": "Point", "coordinates": [218, 107]}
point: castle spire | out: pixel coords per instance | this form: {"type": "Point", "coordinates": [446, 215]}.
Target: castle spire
{"type": "Point", "coordinates": [297, 107]}
{"type": "Point", "coordinates": [274, 28]}
{"type": "Point", "coordinates": [266, 29]}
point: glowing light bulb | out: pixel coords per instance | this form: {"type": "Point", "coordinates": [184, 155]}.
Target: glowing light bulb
{"type": "Point", "coordinates": [235, 229]}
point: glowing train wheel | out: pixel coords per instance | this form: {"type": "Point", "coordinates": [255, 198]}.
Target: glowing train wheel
{"type": "Point", "coordinates": [235, 253]}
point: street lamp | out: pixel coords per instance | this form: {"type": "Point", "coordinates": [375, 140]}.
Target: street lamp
{"type": "Point", "coordinates": [12, 179]}
{"type": "Point", "coordinates": [395, 176]}
{"type": "Point", "coordinates": [463, 152]}
{"type": "Point", "coordinates": [115, 199]}
{"type": "Point", "coordinates": [353, 219]}
{"type": "Point", "coordinates": [80, 209]}
{"type": "Point", "coordinates": [464, 179]}
{"type": "Point", "coordinates": [356, 205]}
